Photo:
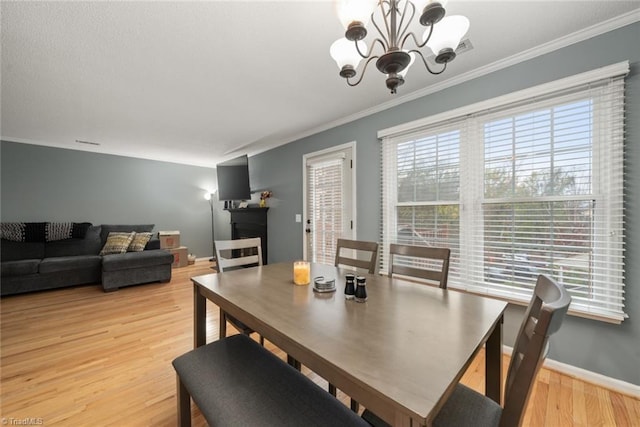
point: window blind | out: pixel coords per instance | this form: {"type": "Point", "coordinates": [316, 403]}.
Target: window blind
{"type": "Point", "coordinates": [527, 187]}
{"type": "Point", "coordinates": [325, 189]}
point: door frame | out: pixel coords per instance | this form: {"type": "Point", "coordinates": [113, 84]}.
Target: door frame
{"type": "Point", "coordinates": [354, 212]}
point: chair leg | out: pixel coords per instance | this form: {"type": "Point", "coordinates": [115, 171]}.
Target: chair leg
{"type": "Point", "coordinates": [333, 390]}
{"type": "Point", "coordinates": [261, 340]}
{"type": "Point", "coordinates": [184, 404]}
{"type": "Point", "coordinates": [293, 362]}
{"type": "Point", "coordinates": [355, 406]}
{"type": "Point", "coordinates": [223, 325]}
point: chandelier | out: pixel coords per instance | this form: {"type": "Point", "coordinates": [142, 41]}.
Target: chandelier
{"type": "Point", "coordinates": [442, 36]}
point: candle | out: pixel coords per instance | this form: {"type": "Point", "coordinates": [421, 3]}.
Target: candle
{"type": "Point", "coordinates": [301, 273]}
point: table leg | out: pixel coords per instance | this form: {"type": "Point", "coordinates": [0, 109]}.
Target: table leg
{"type": "Point", "coordinates": [493, 363]}
{"type": "Point", "coordinates": [199, 318]}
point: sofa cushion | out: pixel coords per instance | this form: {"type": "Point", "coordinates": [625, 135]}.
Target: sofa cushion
{"type": "Point", "coordinates": [89, 245]}
{"type": "Point", "coordinates": [139, 242]}
{"type": "Point", "coordinates": [68, 263]}
{"type": "Point", "coordinates": [154, 243]}
{"type": "Point", "coordinates": [13, 251]}
{"type": "Point", "coordinates": [136, 260]}
{"type": "Point", "coordinates": [20, 268]}
{"type": "Point", "coordinates": [117, 243]}
{"type": "Point", "coordinates": [117, 228]}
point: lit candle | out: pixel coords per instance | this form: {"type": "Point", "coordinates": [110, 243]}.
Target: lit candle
{"type": "Point", "coordinates": [301, 273]}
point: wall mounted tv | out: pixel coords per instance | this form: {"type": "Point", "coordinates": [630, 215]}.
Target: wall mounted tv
{"type": "Point", "coordinates": [233, 179]}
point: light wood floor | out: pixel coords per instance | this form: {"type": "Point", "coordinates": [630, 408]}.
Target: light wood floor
{"type": "Point", "coordinates": [80, 357]}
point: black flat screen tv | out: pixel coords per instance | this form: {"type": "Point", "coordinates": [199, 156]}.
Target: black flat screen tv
{"type": "Point", "coordinates": [233, 179]}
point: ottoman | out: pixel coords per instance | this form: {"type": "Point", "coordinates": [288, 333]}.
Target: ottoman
{"type": "Point", "coordinates": [134, 268]}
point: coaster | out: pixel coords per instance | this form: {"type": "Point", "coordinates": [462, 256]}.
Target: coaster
{"type": "Point", "coordinates": [321, 285]}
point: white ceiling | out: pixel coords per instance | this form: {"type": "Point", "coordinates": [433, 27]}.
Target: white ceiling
{"type": "Point", "coordinates": [200, 82]}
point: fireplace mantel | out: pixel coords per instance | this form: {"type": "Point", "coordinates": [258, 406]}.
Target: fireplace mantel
{"type": "Point", "coordinates": [250, 222]}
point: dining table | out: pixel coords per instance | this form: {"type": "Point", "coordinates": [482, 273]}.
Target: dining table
{"type": "Point", "coordinates": [400, 353]}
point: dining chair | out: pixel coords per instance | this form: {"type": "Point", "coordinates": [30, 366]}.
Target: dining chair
{"type": "Point", "coordinates": [430, 264]}
{"type": "Point", "coordinates": [360, 246]}
{"type": "Point", "coordinates": [466, 407]}
{"type": "Point", "coordinates": [232, 254]}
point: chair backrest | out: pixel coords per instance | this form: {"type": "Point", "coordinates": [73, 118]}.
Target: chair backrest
{"type": "Point", "coordinates": [243, 252]}
{"type": "Point", "coordinates": [357, 245]}
{"type": "Point", "coordinates": [542, 319]}
{"type": "Point", "coordinates": [431, 264]}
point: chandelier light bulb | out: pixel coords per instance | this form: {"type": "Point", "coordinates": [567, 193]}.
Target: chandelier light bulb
{"type": "Point", "coordinates": [344, 52]}
{"type": "Point", "coordinates": [446, 37]}
{"type": "Point", "coordinates": [443, 3]}
{"type": "Point", "coordinates": [350, 11]}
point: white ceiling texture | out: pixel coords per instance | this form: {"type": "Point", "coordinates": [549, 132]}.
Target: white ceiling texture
{"type": "Point", "coordinates": [201, 82]}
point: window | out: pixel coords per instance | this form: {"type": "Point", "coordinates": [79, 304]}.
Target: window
{"type": "Point", "coordinates": [533, 184]}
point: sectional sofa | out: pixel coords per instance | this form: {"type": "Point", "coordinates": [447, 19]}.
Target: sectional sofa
{"type": "Point", "coordinates": [38, 256]}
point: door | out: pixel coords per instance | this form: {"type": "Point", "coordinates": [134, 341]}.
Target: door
{"type": "Point", "coordinates": [329, 201]}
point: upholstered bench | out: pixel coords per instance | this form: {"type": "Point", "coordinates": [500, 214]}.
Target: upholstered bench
{"type": "Point", "coordinates": [235, 381]}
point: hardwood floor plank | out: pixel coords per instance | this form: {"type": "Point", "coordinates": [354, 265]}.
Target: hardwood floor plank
{"type": "Point", "coordinates": [620, 412]}
{"type": "Point", "coordinates": [79, 356]}
{"type": "Point", "coordinates": [553, 413]}
{"type": "Point", "coordinates": [579, 404]}
{"type": "Point", "coordinates": [633, 408]}
{"type": "Point", "coordinates": [606, 408]}
{"type": "Point", "coordinates": [594, 411]}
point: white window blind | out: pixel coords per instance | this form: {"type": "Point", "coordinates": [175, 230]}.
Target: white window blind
{"type": "Point", "coordinates": [531, 186]}
{"type": "Point", "coordinates": [325, 178]}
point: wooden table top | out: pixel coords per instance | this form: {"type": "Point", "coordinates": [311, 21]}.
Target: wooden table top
{"type": "Point", "coordinates": [401, 352]}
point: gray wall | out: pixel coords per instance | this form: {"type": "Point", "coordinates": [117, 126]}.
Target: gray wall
{"type": "Point", "coordinates": [52, 184]}
{"type": "Point", "coordinates": [612, 350]}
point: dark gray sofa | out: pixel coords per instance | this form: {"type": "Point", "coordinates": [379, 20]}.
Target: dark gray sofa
{"type": "Point", "coordinates": [32, 266]}
{"type": "Point", "coordinates": [151, 265]}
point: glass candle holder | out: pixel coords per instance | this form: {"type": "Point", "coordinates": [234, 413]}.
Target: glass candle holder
{"type": "Point", "coordinates": [301, 273]}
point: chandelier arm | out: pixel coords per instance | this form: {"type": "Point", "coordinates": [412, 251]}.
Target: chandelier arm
{"type": "Point", "coordinates": [401, 34]}
{"type": "Point", "coordinates": [415, 40]}
{"type": "Point", "coordinates": [364, 69]}
{"type": "Point", "coordinates": [382, 34]}
{"type": "Point", "coordinates": [427, 65]}
{"type": "Point", "coordinates": [372, 46]}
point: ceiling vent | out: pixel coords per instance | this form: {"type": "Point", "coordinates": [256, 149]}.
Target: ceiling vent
{"type": "Point", "coordinates": [464, 46]}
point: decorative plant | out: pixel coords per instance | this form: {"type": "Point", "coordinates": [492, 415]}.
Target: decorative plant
{"type": "Point", "coordinates": [263, 198]}
{"type": "Point", "coordinates": [265, 195]}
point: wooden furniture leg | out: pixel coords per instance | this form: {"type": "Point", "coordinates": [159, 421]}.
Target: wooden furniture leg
{"type": "Point", "coordinates": [199, 318]}
{"type": "Point", "coordinates": [493, 364]}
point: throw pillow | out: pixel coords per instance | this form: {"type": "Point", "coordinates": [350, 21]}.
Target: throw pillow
{"type": "Point", "coordinates": [117, 243]}
{"type": "Point", "coordinates": [139, 241]}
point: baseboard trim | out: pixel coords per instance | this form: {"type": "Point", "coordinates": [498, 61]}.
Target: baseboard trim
{"type": "Point", "coordinates": [614, 384]}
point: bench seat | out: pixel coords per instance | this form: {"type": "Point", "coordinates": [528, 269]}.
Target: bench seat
{"type": "Point", "coordinates": [235, 381]}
